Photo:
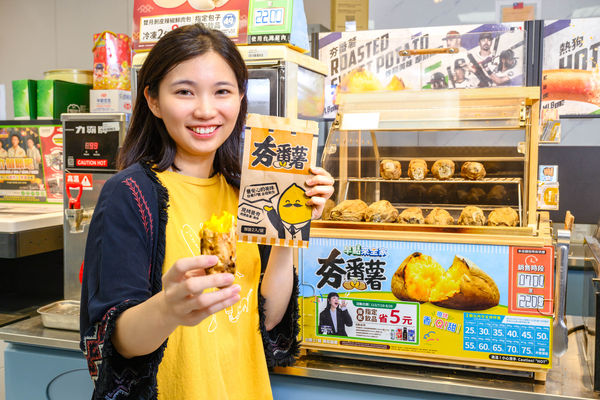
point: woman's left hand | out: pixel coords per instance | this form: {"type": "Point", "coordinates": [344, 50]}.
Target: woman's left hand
{"type": "Point", "coordinates": [321, 188]}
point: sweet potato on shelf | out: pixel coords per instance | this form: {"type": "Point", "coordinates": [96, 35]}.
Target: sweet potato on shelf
{"type": "Point", "coordinates": [443, 169]}
{"type": "Point", "coordinates": [439, 216]}
{"type": "Point", "coordinates": [504, 216]}
{"type": "Point", "coordinates": [472, 170]}
{"type": "Point", "coordinates": [329, 205]}
{"type": "Point", "coordinates": [381, 211]}
{"type": "Point", "coordinates": [471, 215]}
{"type": "Point", "coordinates": [417, 169]}
{"type": "Point", "coordinates": [349, 210]}
{"type": "Point", "coordinates": [390, 169]}
{"type": "Point", "coordinates": [411, 215]}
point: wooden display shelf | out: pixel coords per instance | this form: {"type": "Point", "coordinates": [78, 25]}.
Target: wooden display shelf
{"type": "Point", "coordinates": [434, 180]}
{"type": "Point", "coordinates": [497, 235]}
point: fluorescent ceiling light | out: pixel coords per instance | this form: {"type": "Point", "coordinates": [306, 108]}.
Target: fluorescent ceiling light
{"type": "Point", "coordinates": [586, 12]}
{"type": "Point", "coordinates": [477, 17]}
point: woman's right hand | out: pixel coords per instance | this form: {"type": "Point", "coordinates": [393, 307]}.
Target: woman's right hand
{"type": "Point", "coordinates": [187, 295]}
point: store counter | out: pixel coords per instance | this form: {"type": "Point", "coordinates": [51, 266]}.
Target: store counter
{"type": "Point", "coordinates": [39, 360]}
{"type": "Point", "coordinates": [43, 363]}
{"type": "Point", "coordinates": [28, 229]}
{"type": "Point", "coordinates": [31, 243]}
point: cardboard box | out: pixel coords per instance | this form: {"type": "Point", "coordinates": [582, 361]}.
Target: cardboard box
{"type": "Point", "coordinates": [343, 11]}
{"type": "Point", "coordinates": [57, 97]}
{"type": "Point", "coordinates": [25, 98]}
{"type": "Point", "coordinates": [110, 101]}
{"type": "Point", "coordinates": [151, 21]}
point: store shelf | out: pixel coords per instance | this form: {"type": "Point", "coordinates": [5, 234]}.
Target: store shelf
{"type": "Point", "coordinates": [443, 181]}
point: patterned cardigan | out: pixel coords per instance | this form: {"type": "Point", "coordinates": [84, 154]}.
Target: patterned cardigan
{"type": "Point", "coordinates": [123, 267]}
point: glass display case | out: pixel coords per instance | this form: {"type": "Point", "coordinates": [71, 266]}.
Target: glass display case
{"type": "Point", "coordinates": [462, 291]}
{"type": "Point", "coordinates": [496, 127]}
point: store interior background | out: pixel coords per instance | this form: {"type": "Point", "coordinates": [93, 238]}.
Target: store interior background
{"type": "Point", "coordinates": [42, 35]}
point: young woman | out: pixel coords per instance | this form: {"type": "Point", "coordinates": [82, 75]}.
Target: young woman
{"type": "Point", "coordinates": [144, 279]}
{"type": "Point", "coordinates": [334, 319]}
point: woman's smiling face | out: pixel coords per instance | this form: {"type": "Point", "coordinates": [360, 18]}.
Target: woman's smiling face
{"type": "Point", "coordinates": [199, 102]}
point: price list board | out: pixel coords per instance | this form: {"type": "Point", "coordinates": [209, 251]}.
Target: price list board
{"type": "Point", "coordinates": [531, 280]}
{"type": "Point", "coordinates": [508, 338]}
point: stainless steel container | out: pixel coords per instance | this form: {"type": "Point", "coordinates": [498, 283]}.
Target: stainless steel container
{"type": "Point", "coordinates": [63, 314]}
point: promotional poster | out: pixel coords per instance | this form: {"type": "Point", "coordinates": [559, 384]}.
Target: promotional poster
{"type": "Point", "coordinates": [570, 77]}
{"type": "Point", "coordinates": [152, 19]}
{"type": "Point", "coordinates": [483, 56]}
{"type": "Point", "coordinates": [31, 163]}
{"type": "Point", "coordinates": [278, 154]}
{"type": "Point", "coordinates": [490, 303]}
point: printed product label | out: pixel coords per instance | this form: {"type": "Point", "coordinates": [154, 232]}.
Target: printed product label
{"type": "Point", "coordinates": [273, 205]}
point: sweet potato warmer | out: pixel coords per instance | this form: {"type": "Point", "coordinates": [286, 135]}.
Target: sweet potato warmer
{"type": "Point", "coordinates": [433, 249]}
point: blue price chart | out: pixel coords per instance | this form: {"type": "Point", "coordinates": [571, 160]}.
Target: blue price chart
{"type": "Point", "coordinates": [507, 335]}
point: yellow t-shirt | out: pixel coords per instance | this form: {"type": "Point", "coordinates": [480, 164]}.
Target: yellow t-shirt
{"type": "Point", "coordinates": [222, 357]}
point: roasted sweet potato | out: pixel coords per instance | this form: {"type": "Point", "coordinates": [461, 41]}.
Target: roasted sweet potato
{"type": "Point", "coordinates": [381, 211]}
{"type": "Point", "coordinates": [349, 210]}
{"type": "Point", "coordinates": [329, 204]}
{"type": "Point", "coordinates": [471, 215]}
{"type": "Point", "coordinates": [218, 238]}
{"type": "Point", "coordinates": [472, 170]}
{"type": "Point", "coordinates": [504, 216]}
{"type": "Point", "coordinates": [463, 286]}
{"type": "Point", "coordinates": [390, 169]}
{"type": "Point", "coordinates": [443, 169]}
{"type": "Point", "coordinates": [439, 216]}
{"type": "Point", "coordinates": [417, 169]}
{"type": "Point", "coordinates": [415, 277]}
{"type": "Point", "coordinates": [411, 215]}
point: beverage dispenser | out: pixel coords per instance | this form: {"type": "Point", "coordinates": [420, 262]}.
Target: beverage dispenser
{"type": "Point", "coordinates": [91, 144]}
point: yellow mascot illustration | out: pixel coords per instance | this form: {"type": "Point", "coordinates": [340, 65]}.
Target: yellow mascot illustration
{"type": "Point", "coordinates": [292, 215]}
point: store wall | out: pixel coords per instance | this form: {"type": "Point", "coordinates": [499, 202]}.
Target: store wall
{"type": "Point", "coordinates": [387, 14]}
{"type": "Point", "coordinates": [41, 35]}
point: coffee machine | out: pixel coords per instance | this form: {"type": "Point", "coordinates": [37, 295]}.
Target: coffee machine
{"type": "Point", "coordinates": [91, 144]}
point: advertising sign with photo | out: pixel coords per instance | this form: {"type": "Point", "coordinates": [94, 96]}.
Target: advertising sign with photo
{"type": "Point", "coordinates": [477, 56]}
{"type": "Point", "coordinates": [488, 303]}
{"type": "Point", "coordinates": [31, 163]}
{"type": "Point", "coordinates": [152, 19]}
{"type": "Point", "coordinates": [570, 76]}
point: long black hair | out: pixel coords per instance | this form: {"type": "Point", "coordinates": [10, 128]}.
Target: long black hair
{"type": "Point", "coordinates": [147, 139]}
{"type": "Point", "coordinates": [332, 294]}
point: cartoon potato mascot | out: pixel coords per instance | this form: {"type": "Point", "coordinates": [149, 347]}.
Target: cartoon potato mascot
{"type": "Point", "coordinates": [293, 214]}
